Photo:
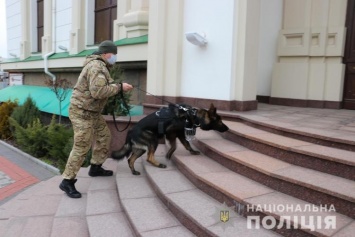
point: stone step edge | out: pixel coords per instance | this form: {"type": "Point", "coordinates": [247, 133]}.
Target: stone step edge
{"type": "Point", "coordinates": [289, 186]}
{"type": "Point", "coordinates": [291, 155]}
{"type": "Point", "coordinates": [238, 202]}
{"type": "Point", "coordinates": [192, 224]}
{"type": "Point", "coordinates": [112, 215]}
{"type": "Point", "coordinates": [290, 132]}
{"type": "Point", "coordinates": [130, 221]}
{"type": "Point", "coordinates": [202, 146]}
{"type": "Point", "coordinates": [287, 131]}
{"type": "Point", "coordinates": [186, 220]}
{"type": "Point", "coordinates": [254, 137]}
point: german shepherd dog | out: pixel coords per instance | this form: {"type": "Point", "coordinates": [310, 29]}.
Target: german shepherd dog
{"type": "Point", "coordinates": [171, 122]}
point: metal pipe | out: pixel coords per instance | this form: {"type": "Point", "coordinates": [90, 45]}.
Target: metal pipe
{"type": "Point", "coordinates": [53, 43]}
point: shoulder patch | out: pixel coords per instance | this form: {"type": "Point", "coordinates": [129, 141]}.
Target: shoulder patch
{"type": "Point", "coordinates": [100, 81]}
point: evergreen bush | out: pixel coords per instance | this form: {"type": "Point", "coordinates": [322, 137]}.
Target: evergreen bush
{"type": "Point", "coordinates": [33, 139]}
{"type": "Point", "coordinates": [114, 103]}
{"type": "Point", "coordinates": [51, 143]}
{"type": "Point", "coordinates": [26, 114]}
{"type": "Point", "coordinates": [60, 142]}
{"type": "Point", "coordinates": [6, 109]}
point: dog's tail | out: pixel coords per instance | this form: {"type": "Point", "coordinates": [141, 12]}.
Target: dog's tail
{"type": "Point", "coordinates": [121, 153]}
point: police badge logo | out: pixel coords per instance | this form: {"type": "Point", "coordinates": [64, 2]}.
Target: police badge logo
{"type": "Point", "coordinates": [224, 216]}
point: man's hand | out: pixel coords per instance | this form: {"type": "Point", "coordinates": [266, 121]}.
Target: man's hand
{"type": "Point", "coordinates": [126, 87]}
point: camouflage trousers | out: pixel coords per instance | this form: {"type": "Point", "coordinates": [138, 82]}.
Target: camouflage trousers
{"type": "Point", "coordinates": [90, 130]}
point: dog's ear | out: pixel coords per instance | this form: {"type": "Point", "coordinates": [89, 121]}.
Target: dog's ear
{"type": "Point", "coordinates": [212, 110]}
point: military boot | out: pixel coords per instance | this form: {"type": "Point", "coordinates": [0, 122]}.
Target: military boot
{"type": "Point", "coordinates": [97, 170]}
{"type": "Point", "coordinates": [67, 185]}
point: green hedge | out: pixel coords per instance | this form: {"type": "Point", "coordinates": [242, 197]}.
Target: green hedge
{"type": "Point", "coordinates": [51, 143]}
{"type": "Point", "coordinates": [6, 109]}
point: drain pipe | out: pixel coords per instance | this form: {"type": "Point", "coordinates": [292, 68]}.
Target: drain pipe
{"type": "Point", "coordinates": [53, 44]}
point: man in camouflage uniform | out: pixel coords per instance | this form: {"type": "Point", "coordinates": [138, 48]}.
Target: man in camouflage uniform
{"type": "Point", "coordinates": [89, 97]}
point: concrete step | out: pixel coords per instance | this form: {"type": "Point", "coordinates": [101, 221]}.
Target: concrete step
{"type": "Point", "coordinates": [147, 215]}
{"type": "Point", "coordinates": [69, 218]}
{"type": "Point", "coordinates": [316, 126]}
{"type": "Point", "coordinates": [254, 199]}
{"type": "Point", "coordinates": [307, 184]}
{"type": "Point", "coordinates": [104, 213]}
{"type": "Point", "coordinates": [324, 159]}
{"type": "Point", "coordinates": [312, 127]}
{"type": "Point", "coordinates": [196, 210]}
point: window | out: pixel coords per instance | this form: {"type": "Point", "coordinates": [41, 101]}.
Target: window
{"type": "Point", "coordinates": [105, 14]}
{"type": "Point", "coordinates": [39, 24]}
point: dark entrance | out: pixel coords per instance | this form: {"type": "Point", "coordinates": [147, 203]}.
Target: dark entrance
{"type": "Point", "coordinates": [349, 58]}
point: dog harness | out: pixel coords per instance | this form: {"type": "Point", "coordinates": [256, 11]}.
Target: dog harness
{"type": "Point", "coordinates": [166, 114]}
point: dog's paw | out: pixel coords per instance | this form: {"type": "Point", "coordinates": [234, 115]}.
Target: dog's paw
{"type": "Point", "coordinates": [134, 172]}
{"type": "Point", "coordinates": [195, 152]}
{"type": "Point", "coordinates": [162, 166]}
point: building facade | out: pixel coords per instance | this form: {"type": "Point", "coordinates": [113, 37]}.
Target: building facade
{"type": "Point", "coordinates": [296, 53]}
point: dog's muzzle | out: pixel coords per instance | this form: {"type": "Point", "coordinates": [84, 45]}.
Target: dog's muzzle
{"type": "Point", "coordinates": [190, 133]}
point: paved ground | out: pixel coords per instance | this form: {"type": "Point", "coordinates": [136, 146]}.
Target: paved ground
{"type": "Point", "coordinates": [18, 171]}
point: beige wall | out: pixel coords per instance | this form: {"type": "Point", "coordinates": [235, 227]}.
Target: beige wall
{"type": "Point", "coordinates": [38, 78]}
{"type": "Point", "coordinates": [310, 49]}
{"type": "Point", "coordinates": [132, 19]}
{"type": "Point", "coordinates": [168, 50]}
{"type": "Point", "coordinates": [136, 77]}
{"type": "Point", "coordinates": [165, 47]}
{"type": "Point", "coordinates": [245, 50]}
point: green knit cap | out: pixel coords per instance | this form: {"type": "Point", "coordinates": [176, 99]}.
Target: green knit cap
{"type": "Point", "coordinates": [107, 46]}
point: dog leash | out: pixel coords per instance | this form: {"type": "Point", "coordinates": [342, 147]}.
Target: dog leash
{"type": "Point", "coordinates": [128, 110]}
{"type": "Point", "coordinates": [161, 98]}
{"type": "Point", "coordinates": [190, 131]}
{"type": "Point", "coordinates": [126, 107]}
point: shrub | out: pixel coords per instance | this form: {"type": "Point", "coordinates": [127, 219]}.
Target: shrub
{"type": "Point", "coordinates": [60, 142]}
{"type": "Point", "coordinates": [51, 143]}
{"type": "Point", "coordinates": [114, 103]}
{"type": "Point", "coordinates": [6, 109]}
{"type": "Point", "coordinates": [27, 113]}
{"type": "Point", "coordinates": [32, 139]}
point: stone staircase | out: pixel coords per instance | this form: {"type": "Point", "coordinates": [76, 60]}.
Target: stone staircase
{"type": "Point", "coordinates": [272, 180]}
{"type": "Point", "coordinates": [243, 177]}
{"type": "Point", "coordinates": [44, 210]}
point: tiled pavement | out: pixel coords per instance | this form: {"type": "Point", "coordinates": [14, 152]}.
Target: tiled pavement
{"type": "Point", "coordinates": [19, 170]}
{"type": "Point", "coordinates": [13, 178]}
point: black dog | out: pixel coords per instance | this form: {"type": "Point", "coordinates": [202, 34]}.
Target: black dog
{"type": "Point", "coordinates": [171, 122]}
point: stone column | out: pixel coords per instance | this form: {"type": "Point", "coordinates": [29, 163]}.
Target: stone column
{"type": "Point", "coordinates": [47, 45]}
{"type": "Point", "coordinates": [165, 47]}
{"type": "Point", "coordinates": [77, 34]}
{"type": "Point", "coordinates": [26, 27]}
{"type": "Point", "coordinates": [245, 53]}
{"type": "Point", "coordinates": [136, 19]}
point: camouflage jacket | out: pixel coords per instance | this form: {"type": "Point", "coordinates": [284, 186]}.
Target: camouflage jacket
{"type": "Point", "coordinates": [94, 85]}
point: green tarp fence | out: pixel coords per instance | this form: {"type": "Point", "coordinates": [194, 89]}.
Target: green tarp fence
{"type": "Point", "coordinates": [45, 99]}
